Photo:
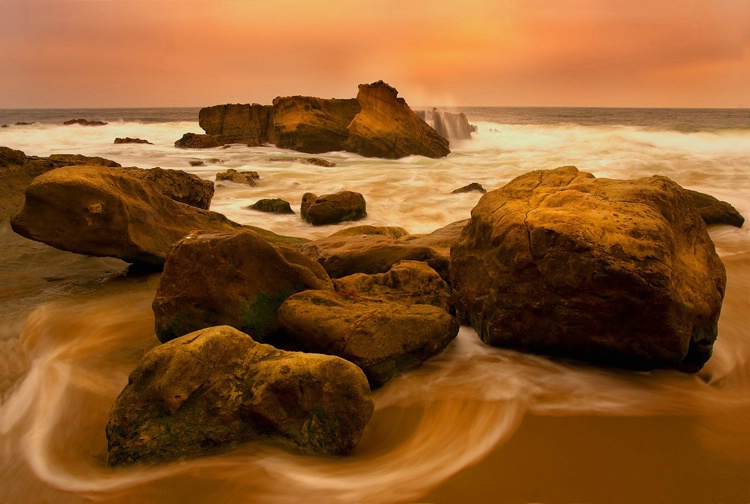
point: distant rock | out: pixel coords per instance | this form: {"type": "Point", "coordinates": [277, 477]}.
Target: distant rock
{"type": "Point", "coordinates": [233, 278]}
{"type": "Point", "coordinates": [84, 122]}
{"type": "Point", "coordinates": [333, 208]}
{"type": "Point", "coordinates": [386, 127]}
{"type": "Point", "coordinates": [714, 211]}
{"type": "Point", "coordinates": [275, 205]}
{"type": "Point", "coordinates": [128, 140]}
{"type": "Point", "coordinates": [4, 126]}
{"type": "Point", "coordinates": [107, 212]}
{"type": "Point", "coordinates": [239, 177]}
{"type": "Point", "coordinates": [474, 186]}
{"type": "Point", "coordinates": [21, 123]}
{"type": "Point", "coordinates": [362, 249]}
{"type": "Point", "coordinates": [194, 141]}
{"type": "Point", "coordinates": [196, 163]}
{"type": "Point", "coordinates": [311, 161]}
{"type": "Point", "coordinates": [616, 272]}
{"type": "Point", "coordinates": [216, 388]}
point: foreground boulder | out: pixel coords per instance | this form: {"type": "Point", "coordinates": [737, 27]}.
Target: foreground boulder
{"type": "Point", "coordinates": [230, 278]}
{"type": "Point", "coordinates": [383, 338]}
{"type": "Point", "coordinates": [107, 212]}
{"type": "Point", "coordinates": [387, 128]}
{"type": "Point", "coordinates": [333, 208]}
{"type": "Point", "coordinates": [619, 272]}
{"type": "Point", "coordinates": [216, 388]}
{"type": "Point", "coordinates": [364, 249]}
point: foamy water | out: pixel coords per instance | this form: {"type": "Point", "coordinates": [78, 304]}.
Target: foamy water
{"type": "Point", "coordinates": [68, 344]}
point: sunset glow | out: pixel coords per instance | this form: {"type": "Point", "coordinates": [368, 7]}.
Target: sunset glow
{"type": "Point", "coordinates": [118, 53]}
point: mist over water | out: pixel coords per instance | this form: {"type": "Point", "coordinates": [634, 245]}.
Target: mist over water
{"type": "Point", "coordinates": [72, 328]}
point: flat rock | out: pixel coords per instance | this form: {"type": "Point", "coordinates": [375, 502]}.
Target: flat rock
{"type": "Point", "coordinates": [616, 272]}
{"type": "Point", "coordinates": [216, 388]}
{"type": "Point", "coordinates": [230, 278]}
{"type": "Point", "coordinates": [381, 337]}
{"type": "Point", "coordinates": [333, 208]}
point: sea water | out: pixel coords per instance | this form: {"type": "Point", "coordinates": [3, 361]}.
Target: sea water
{"type": "Point", "coordinates": [475, 424]}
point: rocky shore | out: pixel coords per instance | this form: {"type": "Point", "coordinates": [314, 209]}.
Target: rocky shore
{"type": "Point", "coordinates": [272, 337]}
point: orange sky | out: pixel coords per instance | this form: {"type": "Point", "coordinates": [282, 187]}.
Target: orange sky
{"type": "Point", "coordinates": [131, 53]}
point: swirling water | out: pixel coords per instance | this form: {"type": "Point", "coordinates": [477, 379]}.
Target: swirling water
{"type": "Point", "coordinates": [475, 424]}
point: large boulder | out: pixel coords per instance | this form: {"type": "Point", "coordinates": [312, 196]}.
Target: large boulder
{"type": "Point", "coordinates": [715, 211]}
{"type": "Point", "coordinates": [383, 338]}
{"type": "Point", "coordinates": [619, 272]}
{"type": "Point", "coordinates": [333, 208]}
{"type": "Point", "coordinates": [251, 124]}
{"type": "Point", "coordinates": [386, 127]}
{"type": "Point", "coordinates": [107, 212]}
{"type": "Point", "coordinates": [364, 249]}
{"type": "Point", "coordinates": [216, 388]}
{"type": "Point", "coordinates": [313, 125]}
{"type": "Point", "coordinates": [230, 278]}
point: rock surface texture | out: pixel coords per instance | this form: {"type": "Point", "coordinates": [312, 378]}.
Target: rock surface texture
{"type": "Point", "coordinates": [236, 279]}
{"type": "Point", "coordinates": [312, 125]}
{"type": "Point", "coordinates": [715, 211]}
{"type": "Point", "coordinates": [333, 208]}
{"type": "Point", "coordinates": [619, 272]}
{"type": "Point", "coordinates": [238, 123]}
{"type": "Point", "coordinates": [216, 388]}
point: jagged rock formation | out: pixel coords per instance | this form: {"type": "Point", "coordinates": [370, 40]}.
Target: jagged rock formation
{"type": "Point", "coordinates": [618, 272]}
{"type": "Point", "coordinates": [376, 124]}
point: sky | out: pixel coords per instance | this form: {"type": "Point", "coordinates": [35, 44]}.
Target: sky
{"type": "Point", "coordinates": [163, 53]}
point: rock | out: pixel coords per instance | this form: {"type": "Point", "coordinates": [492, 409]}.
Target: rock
{"type": "Point", "coordinates": [617, 272]}
{"type": "Point", "coordinates": [239, 123]}
{"type": "Point", "coordinates": [344, 253]}
{"type": "Point", "coordinates": [128, 140]}
{"type": "Point", "coordinates": [239, 177]}
{"type": "Point", "coordinates": [381, 337]}
{"type": "Point", "coordinates": [407, 282]}
{"type": "Point", "coordinates": [4, 126]}
{"type": "Point", "coordinates": [177, 185]}
{"type": "Point", "coordinates": [314, 125]}
{"type": "Point", "coordinates": [275, 205]}
{"type": "Point", "coordinates": [386, 127]}
{"type": "Point", "coordinates": [9, 157]}
{"type": "Point", "coordinates": [311, 161]}
{"type": "Point", "coordinates": [84, 122]}
{"type": "Point", "coordinates": [106, 212]}
{"type": "Point", "coordinates": [216, 388]}
{"type": "Point", "coordinates": [194, 141]}
{"type": "Point", "coordinates": [196, 163]}
{"type": "Point", "coordinates": [21, 123]}
{"type": "Point", "coordinates": [714, 211]}
{"type": "Point", "coordinates": [390, 231]}
{"type": "Point", "coordinates": [474, 186]}
{"type": "Point", "coordinates": [333, 208]}
{"type": "Point", "coordinates": [230, 278]}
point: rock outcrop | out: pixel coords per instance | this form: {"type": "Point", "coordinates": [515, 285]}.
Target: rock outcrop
{"type": "Point", "coordinates": [715, 211]}
{"type": "Point", "coordinates": [620, 272]}
{"type": "Point", "coordinates": [364, 249]}
{"type": "Point", "coordinates": [386, 127]}
{"type": "Point", "coordinates": [383, 338]}
{"type": "Point", "coordinates": [274, 205]}
{"type": "Point", "coordinates": [107, 212]}
{"type": "Point", "coordinates": [216, 388]}
{"type": "Point", "coordinates": [333, 208]}
{"type": "Point", "coordinates": [375, 124]}
{"type": "Point", "coordinates": [230, 278]}
{"type": "Point", "coordinates": [313, 125]}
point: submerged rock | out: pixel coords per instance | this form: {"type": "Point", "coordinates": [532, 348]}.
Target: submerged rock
{"type": "Point", "coordinates": [239, 177]}
{"type": "Point", "coordinates": [107, 212]}
{"type": "Point", "coordinates": [386, 127]}
{"type": "Point", "coordinates": [128, 140]}
{"type": "Point", "coordinates": [275, 205]}
{"type": "Point", "coordinates": [620, 272]}
{"type": "Point", "coordinates": [333, 208]}
{"type": "Point", "coordinates": [230, 278]}
{"type": "Point", "coordinates": [714, 211]}
{"type": "Point", "coordinates": [84, 122]}
{"type": "Point", "coordinates": [216, 388]}
{"type": "Point", "coordinates": [384, 338]}
{"type": "Point", "coordinates": [474, 186]}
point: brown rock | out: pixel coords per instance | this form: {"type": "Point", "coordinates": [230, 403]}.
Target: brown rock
{"type": "Point", "coordinates": [275, 205]}
{"type": "Point", "coordinates": [177, 185]}
{"type": "Point", "coordinates": [128, 140]}
{"type": "Point", "coordinates": [106, 212]}
{"type": "Point", "coordinates": [386, 127]}
{"type": "Point", "coordinates": [714, 211]}
{"type": "Point", "coordinates": [195, 141]}
{"type": "Point", "coordinates": [311, 161]}
{"type": "Point", "coordinates": [620, 272]}
{"type": "Point", "coordinates": [474, 186]}
{"type": "Point", "coordinates": [333, 208]}
{"type": "Point", "coordinates": [230, 278]}
{"type": "Point", "coordinates": [239, 177]}
{"type": "Point", "coordinates": [383, 338]}
{"type": "Point", "coordinates": [84, 122]}
{"type": "Point", "coordinates": [314, 125]}
{"type": "Point", "coordinates": [216, 388]}
{"type": "Point", "coordinates": [239, 123]}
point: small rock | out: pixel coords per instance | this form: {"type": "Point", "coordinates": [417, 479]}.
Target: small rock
{"type": "Point", "coordinates": [197, 163]}
{"type": "Point", "coordinates": [128, 140]}
{"type": "Point", "coordinates": [474, 186]}
{"type": "Point", "coordinates": [275, 205]}
{"type": "Point", "coordinates": [84, 122]}
{"type": "Point", "coordinates": [239, 177]}
{"type": "Point", "coordinates": [24, 123]}
{"type": "Point", "coordinates": [333, 208]}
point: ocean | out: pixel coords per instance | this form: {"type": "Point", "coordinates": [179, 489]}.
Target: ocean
{"type": "Point", "coordinates": [475, 424]}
